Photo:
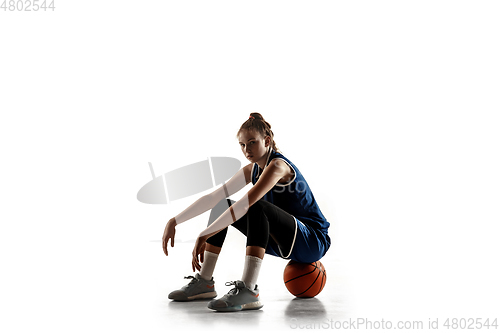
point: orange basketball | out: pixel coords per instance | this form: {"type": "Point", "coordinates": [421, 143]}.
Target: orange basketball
{"type": "Point", "coordinates": [304, 280]}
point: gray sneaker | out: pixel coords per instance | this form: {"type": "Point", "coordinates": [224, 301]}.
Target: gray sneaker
{"type": "Point", "coordinates": [237, 299]}
{"type": "Point", "coordinates": [197, 288]}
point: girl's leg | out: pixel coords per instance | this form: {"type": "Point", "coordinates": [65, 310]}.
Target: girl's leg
{"type": "Point", "coordinates": [214, 243]}
{"type": "Point", "coordinates": [213, 248]}
{"type": "Point", "coordinates": [263, 220]}
{"type": "Point", "coordinates": [202, 286]}
{"type": "Point", "coordinates": [256, 251]}
{"type": "Point", "coordinates": [253, 262]}
{"type": "Point", "coordinates": [266, 219]}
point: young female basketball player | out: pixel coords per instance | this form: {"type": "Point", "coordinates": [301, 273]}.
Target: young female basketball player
{"type": "Point", "coordinates": [279, 216]}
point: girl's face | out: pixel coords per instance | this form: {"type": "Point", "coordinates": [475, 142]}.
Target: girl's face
{"type": "Point", "coordinates": [253, 145]}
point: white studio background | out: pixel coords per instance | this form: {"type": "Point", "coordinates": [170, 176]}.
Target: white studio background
{"type": "Point", "coordinates": [389, 109]}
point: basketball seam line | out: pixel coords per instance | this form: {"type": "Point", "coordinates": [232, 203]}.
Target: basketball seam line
{"type": "Point", "coordinates": [312, 284]}
{"type": "Point", "coordinates": [301, 275]}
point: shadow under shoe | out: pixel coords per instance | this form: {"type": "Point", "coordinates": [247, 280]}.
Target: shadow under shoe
{"type": "Point", "coordinates": [197, 288]}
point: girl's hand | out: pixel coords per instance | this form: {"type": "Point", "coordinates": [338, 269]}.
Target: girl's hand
{"type": "Point", "coordinates": [169, 233]}
{"type": "Point", "coordinates": [199, 249]}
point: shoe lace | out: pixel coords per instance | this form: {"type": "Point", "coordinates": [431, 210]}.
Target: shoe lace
{"type": "Point", "coordinates": [236, 288]}
{"type": "Point", "coordinates": [193, 279]}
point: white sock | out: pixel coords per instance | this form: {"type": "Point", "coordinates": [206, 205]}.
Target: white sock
{"type": "Point", "coordinates": [251, 271]}
{"type": "Point", "coordinates": [208, 265]}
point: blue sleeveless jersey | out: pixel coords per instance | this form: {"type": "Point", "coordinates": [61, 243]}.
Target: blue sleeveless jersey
{"type": "Point", "coordinates": [296, 198]}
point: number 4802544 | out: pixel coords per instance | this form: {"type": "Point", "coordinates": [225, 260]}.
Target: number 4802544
{"type": "Point", "coordinates": [27, 5]}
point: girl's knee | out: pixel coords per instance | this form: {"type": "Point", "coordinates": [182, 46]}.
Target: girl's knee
{"type": "Point", "coordinates": [258, 206]}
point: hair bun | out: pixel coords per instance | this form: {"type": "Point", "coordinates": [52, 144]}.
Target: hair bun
{"type": "Point", "coordinates": [256, 115]}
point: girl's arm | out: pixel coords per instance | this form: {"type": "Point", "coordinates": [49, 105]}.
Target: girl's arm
{"type": "Point", "coordinates": [236, 183]}
{"type": "Point", "coordinates": [271, 175]}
